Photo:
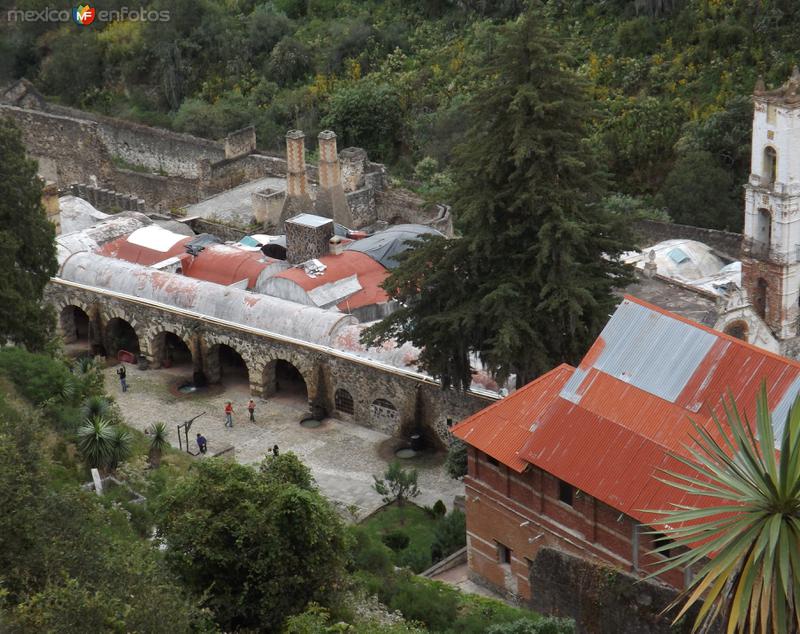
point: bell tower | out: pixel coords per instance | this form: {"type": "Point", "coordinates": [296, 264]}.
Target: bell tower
{"type": "Point", "coordinates": [771, 246]}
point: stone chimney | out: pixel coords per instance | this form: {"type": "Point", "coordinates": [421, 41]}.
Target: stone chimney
{"type": "Point", "coordinates": [354, 164]}
{"type": "Point", "coordinates": [331, 201]}
{"type": "Point", "coordinates": [307, 236]}
{"type": "Point", "coordinates": [51, 205]}
{"type": "Point", "coordinates": [650, 267]}
{"type": "Point", "coordinates": [297, 197]}
{"type": "Point", "coordinates": [337, 245]}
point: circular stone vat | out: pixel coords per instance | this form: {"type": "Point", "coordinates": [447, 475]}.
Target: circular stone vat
{"type": "Point", "coordinates": [188, 388]}
{"type": "Point", "coordinates": [310, 423]}
{"type": "Point", "coordinates": [405, 453]}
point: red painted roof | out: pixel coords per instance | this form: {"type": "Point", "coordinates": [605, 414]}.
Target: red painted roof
{"type": "Point", "coordinates": [223, 264]}
{"type": "Point", "coordinates": [610, 424]}
{"type": "Point", "coordinates": [370, 276]}
{"type": "Point", "coordinates": [122, 249]}
{"type": "Point", "coordinates": [502, 429]}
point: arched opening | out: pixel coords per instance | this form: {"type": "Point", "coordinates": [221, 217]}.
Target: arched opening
{"type": "Point", "coordinates": [343, 401]}
{"type": "Point", "coordinates": [120, 336]}
{"type": "Point", "coordinates": [760, 297]}
{"type": "Point", "coordinates": [283, 377]}
{"type": "Point", "coordinates": [384, 415]}
{"type": "Point", "coordinates": [171, 350]}
{"type": "Point", "coordinates": [770, 167]}
{"type": "Point", "coordinates": [75, 326]}
{"type": "Point", "coordinates": [737, 329]}
{"type": "Point", "coordinates": [226, 365]}
{"type": "Point", "coordinates": [763, 231]}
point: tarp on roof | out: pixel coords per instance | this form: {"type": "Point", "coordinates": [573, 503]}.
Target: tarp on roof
{"type": "Point", "coordinates": [385, 246]}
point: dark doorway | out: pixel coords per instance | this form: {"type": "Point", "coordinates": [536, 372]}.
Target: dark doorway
{"type": "Point", "coordinates": [75, 325]}
{"type": "Point", "coordinates": [232, 366]}
{"type": "Point", "coordinates": [120, 335]}
{"type": "Point", "coordinates": [289, 380]}
{"type": "Point", "coordinates": [174, 351]}
{"type": "Point", "coordinates": [760, 297]}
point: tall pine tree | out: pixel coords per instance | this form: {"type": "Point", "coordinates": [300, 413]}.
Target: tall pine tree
{"type": "Point", "coordinates": [529, 283]}
{"type": "Point", "coordinates": [27, 246]}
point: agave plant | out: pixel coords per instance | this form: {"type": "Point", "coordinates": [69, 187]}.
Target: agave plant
{"type": "Point", "coordinates": [96, 441]}
{"type": "Point", "coordinates": [96, 406]}
{"type": "Point", "coordinates": [121, 446]}
{"type": "Point", "coordinates": [747, 544]}
{"type": "Point", "coordinates": [159, 441]}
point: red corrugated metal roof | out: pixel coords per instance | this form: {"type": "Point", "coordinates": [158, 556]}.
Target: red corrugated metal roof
{"type": "Point", "coordinates": [370, 276]}
{"type": "Point", "coordinates": [608, 434]}
{"type": "Point", "coordinates": [223, 264]}
{"type": "Point", "coordinates": [502, 429]}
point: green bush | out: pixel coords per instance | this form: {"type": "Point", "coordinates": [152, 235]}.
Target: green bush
{"type": "Point", "coordinates": [431, 603]}
{"type": "Point", "coordinates": [439, 509]}
{"type": "Point", "coordinates": [37, 376]}
{"type": "Point", "coordinates": [396, 540]}
{"type": "Point", "coordinates": [451, 534]}
{"type": "Point", "coordinates": [456, 463]}
{"type": "Point", "coordinates": [545, 625]}
{"type": "Point", "coordinates": [367, 553]}
{"type": "Point", "coordinates": [415, 558]}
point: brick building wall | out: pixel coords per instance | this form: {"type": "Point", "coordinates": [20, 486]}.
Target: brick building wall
{"type": "Point", "coordinates": [511, 516]}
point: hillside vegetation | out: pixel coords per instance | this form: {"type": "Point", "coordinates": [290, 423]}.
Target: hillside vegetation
{"type": "Point", "coordinates": [672, 79]}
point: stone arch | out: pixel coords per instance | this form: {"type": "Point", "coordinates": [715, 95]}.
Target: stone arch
{"type": "Point", "coordinates": [289, 374]}
{"type": "Point", "coordinates": [739, 329]}
{"type": "Point", "coordinates": [75, 324]}
{"type": "Point", "coordinates": [343, 401]}
{"type": "Point", "coordinates": [222, 357]}
{"type": "Point", "coordinates": [169, 346]}
{"type": "Point", "coordinates": [760, 293]}
{"type": "Point", "coordinates": [384, 416]}
{"type": "Point", "coordinates": [769, 166]}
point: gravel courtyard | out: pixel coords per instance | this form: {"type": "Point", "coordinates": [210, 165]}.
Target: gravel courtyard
{"type": "Point", "coordinates": [343, 456]}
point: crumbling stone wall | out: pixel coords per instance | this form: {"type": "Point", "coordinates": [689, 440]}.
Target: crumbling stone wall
{"type": "Point", "coordinates": [602, 600]}
{"type": "Point", "coordinates": [422, 406]}
{"type": "Point", "coordinates": [240, 142]}
{"type": "Point", "coordinates": [107, 200]}
{"type": "Point", "coordinates": [649, 232]}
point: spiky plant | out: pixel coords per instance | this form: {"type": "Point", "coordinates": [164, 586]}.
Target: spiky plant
{"type": "Point", "coordinates": [121, 446]}
{"type": "Point", "coordinates": [747, 544]}
{"type": "Point", "coordinates": [159, 441]}
{"type": "Point", "coordinates": [96, 441]}
{"type": "Point", "coordinates": [96, 406]}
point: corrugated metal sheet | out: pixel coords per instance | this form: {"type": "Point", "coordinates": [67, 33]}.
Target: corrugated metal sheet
{"type": "Point", "coordinates": [502, 429]}
{"type": "Point", "coordinates": [619, 416]}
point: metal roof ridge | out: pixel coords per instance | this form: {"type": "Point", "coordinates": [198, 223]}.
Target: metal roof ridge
{"type": "Point", "coordinates": [712, 331]}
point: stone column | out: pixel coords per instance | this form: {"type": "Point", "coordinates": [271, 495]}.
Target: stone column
{"type": "Point", "coordinates": [331, 201]}
{"type": "Point", "coordinates": [297, 198]}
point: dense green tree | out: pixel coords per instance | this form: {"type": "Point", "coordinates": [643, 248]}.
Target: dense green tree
{"type": "Point", "coordinates": [744, 542]}
{"type": "Point", "coordinates": [27, 247]}
{"type": "Point", "coordinates": [286, 468]}
{"type": "Point", "coordinates": [697, 192]}
{"type": "Point", "coordinates": [259, 548]}
{"type": "Point", "coordinates": [530, 283]}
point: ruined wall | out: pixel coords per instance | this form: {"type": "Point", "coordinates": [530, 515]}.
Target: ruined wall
{"type": "Point", "coordinates": [69, 150]}
{"type": "Point", "coordinates": [223, 232]}
{"type": "Point", "coordinates": [602, 600]}
{"type": "Point", "coordinates": [397, 205]}
{"type": "Point", "coordinates": [649, 232]}
{"type": "Point", "coordinates": [413, 398]}
{"type": "Point", "coordinates": [240, 142]}
{"type": "Point", "coordinates": [106, 200]}
{"type": "Point", "coordinates": [160, 193]}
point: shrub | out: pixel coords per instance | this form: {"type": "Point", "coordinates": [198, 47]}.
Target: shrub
{"type": "Point", "coordinates": [431, 603]}
{"type": "Point", "coordinates": [439, 509]}
{"type": "Point", "coordinates": [456, 463]}
{"type": "Point", "coordinates": [397, 484]}
{"type": "Point", "coordinates": [545, 625]}
{"type": "Point", "coordinates": [415, 558]}
{"type": "Point", "coordinates": [451, 534]}
{"type": "Point", "coordinates": [396, 540]}
{"type": "Point", "coordinates": [37, 376]}
{"type": "Point", "coordinates": [367, 553]}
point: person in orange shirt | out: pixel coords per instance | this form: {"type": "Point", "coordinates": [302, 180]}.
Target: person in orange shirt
{"type": "Point", "coordinates": [228, 414]}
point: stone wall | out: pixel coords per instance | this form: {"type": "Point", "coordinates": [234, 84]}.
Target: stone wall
{"type": "Point", "coordinates": [649, 232]}
{"type": "Point", "coordinates": [397, 205]}
{"type": "Point", "coordinates": [160, 193]}
{"type": "Point", "coordinates": [240, 143]}
{"type": "Point", "coordinates": [602, 600]}
{"type": "Point", "coordinates": [420, 403]}
{"type": "Point", "coordinates": [362, 207]}
{"type": "Point", "coordinates": [107, 200]}
{"type": "Point", "coordinates": [225, 233]}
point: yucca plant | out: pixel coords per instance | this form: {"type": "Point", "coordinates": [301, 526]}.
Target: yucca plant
{"type": "Point", "coordinates": [159, 441]}
{"type": "Point", "coordinates": [96, 407]}
{"type": "Point", "coordinates": [747, 544]}
{"type": "Point", "coordinates": [96, 441]}
{"type": "Point", "coordinates": [121, 446]}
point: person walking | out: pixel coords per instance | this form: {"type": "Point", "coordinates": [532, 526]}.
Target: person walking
{"type": "Point", "coordinates": [123, 378]}
{"type": "Point", "coordinates": [202, 443]}
{"type": "Point", "coordinates": [228, 414]}
{"type": "Point", "coordinates": [251, 407]}
{"type": "Point", "coordinates": [275, 451]}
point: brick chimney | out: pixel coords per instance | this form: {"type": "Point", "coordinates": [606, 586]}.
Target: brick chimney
{"type": "Point", "coordinates": [331, 201]}
{"type": "Point", "coordinates": [307, 236]}
{"type": "Point", "coordinates": [297, 197]}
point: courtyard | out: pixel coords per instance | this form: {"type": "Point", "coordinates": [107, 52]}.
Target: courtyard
{"type": "Point", "coordinates": [343, 456]}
